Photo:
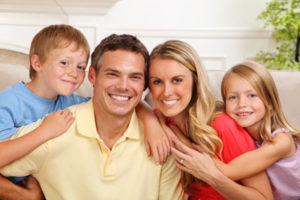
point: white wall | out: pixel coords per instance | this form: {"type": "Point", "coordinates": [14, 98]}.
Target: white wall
{"type": "Point", "coordinates": [224, 32]}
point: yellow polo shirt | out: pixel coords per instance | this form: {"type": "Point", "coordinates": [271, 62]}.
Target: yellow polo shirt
{"type": "Point", "coordinates": [78, 165]}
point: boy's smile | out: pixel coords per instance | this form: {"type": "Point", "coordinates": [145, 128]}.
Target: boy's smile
{"type": "Point", "coordinates": [61, 73]}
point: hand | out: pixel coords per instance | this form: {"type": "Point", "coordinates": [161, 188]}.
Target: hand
{"type": "Point", "coordinates": [199, 164]}
{"type": "Point", "coordinates": [56, 123]}
{"type": "Point", "coordinates": [33, 190]}
{"type": "Point", "coordinates": [156, 142]}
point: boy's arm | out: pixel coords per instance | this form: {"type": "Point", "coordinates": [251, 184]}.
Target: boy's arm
{"type": "Point", "coordinates": [11, 191]}
{"type": "Point", "coordinates": [52, 126]}
{"type": "Point", "coordinates": [155, 139]}
{"type": "Point", "coordinates": [257, 160]}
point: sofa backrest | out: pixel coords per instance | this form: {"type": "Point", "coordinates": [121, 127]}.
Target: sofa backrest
{"type": "Point", "coordinates": [14, 68]}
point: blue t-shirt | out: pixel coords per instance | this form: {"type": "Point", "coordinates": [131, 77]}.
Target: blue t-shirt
{"type": "Point", "coordinates": [19, 107]}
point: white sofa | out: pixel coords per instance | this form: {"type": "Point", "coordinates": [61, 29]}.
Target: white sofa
{"type": "Point", "coordinates": [14, 68]}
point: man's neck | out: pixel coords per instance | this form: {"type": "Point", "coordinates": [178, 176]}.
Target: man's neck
{"type": "Point", "coordinates": [110, 127]}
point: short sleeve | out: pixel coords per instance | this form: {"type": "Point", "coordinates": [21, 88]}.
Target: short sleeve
{"type": "Point", "coordinates": [170, 186]}
{"type": "Point", "coordinates": [236, 140]}
{"type": "Point", "coordinates": [32, 162]}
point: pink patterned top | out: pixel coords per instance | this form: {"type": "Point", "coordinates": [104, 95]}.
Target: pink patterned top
{"type": "Point", "coordinates": [284, 174]}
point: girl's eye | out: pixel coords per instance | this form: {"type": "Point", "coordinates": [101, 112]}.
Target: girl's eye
{"type": "Point", "coordinates": [252, 95]}
{"type": "Point", "coordinates": [64, 62]}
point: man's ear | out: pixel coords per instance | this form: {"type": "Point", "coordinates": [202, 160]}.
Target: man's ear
{"type": "Point", "coordinates": [36, 63]}
{"type": "Point", "coordinates": [92, 75]}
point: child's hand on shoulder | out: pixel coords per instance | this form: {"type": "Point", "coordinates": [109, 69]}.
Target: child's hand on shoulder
{"type": "Point", "coordinates": [56, 123]}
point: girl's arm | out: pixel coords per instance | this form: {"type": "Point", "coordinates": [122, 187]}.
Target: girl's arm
{"type": "Point", "coordinates": [258, 160]}
{"type": "Point", "coordinates": [156, 141]}
{"type": "Point", "coordinates": [202, 167]}
{"type": "Point", "coordinates": [52, 126]}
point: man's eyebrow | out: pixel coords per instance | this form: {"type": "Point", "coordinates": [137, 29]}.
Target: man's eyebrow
{"type": "Point", "coordinates": [111, 70]}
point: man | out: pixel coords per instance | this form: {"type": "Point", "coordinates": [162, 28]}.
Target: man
{"type": "Point", "coordinates": [102, 155]}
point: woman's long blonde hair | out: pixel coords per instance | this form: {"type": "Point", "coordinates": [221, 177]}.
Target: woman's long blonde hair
{"type": "Point", "coordinates": [261, 80]}
{"type": "Point", "coordinates": [202, 104]}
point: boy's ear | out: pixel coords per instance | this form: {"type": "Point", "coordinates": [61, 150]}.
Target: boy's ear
{"type": "Point", "coordinates": [92, 75]}
{"type": "Point", "coordinates": [36, 63]}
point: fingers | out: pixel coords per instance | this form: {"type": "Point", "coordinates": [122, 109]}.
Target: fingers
{"type": "Point", "coordinates": [198, 148]}
{"type": "Point", "coordinates": [155, 155]}
{"type": "Point", "coordinates": [179, 156]}
{"type": "Point", "coordinates": [182, 147]}
{"type": "Point", "coordinates": [148, 150]}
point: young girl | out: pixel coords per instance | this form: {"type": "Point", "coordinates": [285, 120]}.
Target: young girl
{"type": "Point", "coordinates": [181, 93]}
{"type": "Point", "coordinates": [252, 100]}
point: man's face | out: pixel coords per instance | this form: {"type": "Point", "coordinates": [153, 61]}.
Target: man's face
{"type": "Point", "coordinates": [119, 84]}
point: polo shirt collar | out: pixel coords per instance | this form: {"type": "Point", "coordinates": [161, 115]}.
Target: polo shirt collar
{"type": "Point", "coordinates": [85, 120]}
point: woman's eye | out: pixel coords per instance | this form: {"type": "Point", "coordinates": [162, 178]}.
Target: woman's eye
{"type": "Point", "coordinates": [177, 80]}
{"type": "Point", "coordinates": [252, 95]}
{"type": "Point", "coordinates": [156, 82]}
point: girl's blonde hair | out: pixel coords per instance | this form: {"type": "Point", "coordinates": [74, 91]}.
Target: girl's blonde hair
{"type": "Point", "coordinates": [202, 104]}
{"type": "Point", "coordinates": [261, 80]}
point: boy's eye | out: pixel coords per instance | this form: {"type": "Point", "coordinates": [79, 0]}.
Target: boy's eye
{"type": "Point", "coordinates": [81, 68]}
{"type": "Point", "coordinates": [232, 97]}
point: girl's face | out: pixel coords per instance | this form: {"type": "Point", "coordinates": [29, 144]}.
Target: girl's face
{"type": "Point", "coordinates": [171, 85]}
{"type": "Point", "coordinates": [243, 104]}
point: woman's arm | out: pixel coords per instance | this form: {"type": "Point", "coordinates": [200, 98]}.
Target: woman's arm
{"type": "Point", "coordinates": [258, 160]}
{"type": "Point", "coordinates": [202, 166]}
{"type": "Point", "coordinates": [156, 140]}
{"type": "Point", "coordinates": [52, 126]}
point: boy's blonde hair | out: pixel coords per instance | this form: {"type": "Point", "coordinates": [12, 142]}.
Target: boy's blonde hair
{"type": "Point", "coordinates": [52, 37]}
{"type": "Point", "coordinates": [202, 104]}
{"type": "Point", "coordinates": [261, 80]}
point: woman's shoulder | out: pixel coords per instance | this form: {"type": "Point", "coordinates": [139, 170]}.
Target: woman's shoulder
{"type": "Point", "coordinates": [223, 119]}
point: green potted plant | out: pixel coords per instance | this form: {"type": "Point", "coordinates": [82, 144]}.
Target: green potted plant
{"type": "Point", "coordinates": [283, 16]}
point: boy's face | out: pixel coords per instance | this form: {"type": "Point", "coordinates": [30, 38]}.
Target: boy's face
{"type": "Point", "coordinates": [62, 72]}
{"type": "Point", "coordinates": [119, 84]}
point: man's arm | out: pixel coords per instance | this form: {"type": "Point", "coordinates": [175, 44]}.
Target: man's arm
{"type": "Point", "coordinates": [170, 186]}
{"type": "Point", "coordinates": [11, 191]}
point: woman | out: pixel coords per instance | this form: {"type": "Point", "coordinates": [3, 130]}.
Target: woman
{"type": "Point", "coordinates": [181, 92]}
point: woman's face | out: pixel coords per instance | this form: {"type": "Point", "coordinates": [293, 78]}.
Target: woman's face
{"type": "Point", "coordinates": [171, 85]}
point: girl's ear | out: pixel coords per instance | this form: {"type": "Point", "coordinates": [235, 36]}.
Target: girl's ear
{"type": "Point", "coordinates": [92, 75]}
{"type": "Point", "coordinates": [36, 63]}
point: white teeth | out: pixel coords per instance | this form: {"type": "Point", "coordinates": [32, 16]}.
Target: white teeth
{"type": "Point", "coordinates": [120, 98]}
{"type": "Point", "coordinates": [244, 114]}
{"type": "Point", "coordinates": [170, 102]}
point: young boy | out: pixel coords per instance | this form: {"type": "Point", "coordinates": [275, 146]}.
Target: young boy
{"type": "Point", "coordinates": [58, 58]}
